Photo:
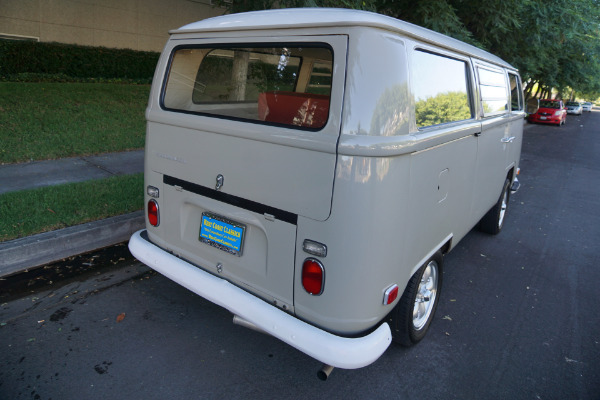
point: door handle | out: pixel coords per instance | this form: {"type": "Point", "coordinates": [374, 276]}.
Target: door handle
{"type": "Point", "coordinates": [507, 139]}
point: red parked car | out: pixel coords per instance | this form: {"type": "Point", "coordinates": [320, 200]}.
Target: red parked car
{"type": "Point", "coordinates": [550, 112]}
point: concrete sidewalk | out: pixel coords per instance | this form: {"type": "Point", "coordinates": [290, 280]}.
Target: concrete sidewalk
{"type": "Point", "coordinates": [21, 254]}
{"type": "Point", "coordinates": [36, 174]}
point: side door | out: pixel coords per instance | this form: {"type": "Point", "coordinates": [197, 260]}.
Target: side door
{"type": "Point", "coordinates": [494, 141]}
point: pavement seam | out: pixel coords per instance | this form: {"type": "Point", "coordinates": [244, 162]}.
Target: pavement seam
{"type": "Point", "coordinates": [100, 167]}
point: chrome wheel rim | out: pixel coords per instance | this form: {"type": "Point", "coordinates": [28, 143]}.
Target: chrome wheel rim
{"type": "Point", "coordinates": [503, 209]}
{"type": "Point", "coordinates": [426, 295]}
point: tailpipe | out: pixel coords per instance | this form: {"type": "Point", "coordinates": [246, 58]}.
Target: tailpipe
{"type": "Point", "coordinates": [324, 372]}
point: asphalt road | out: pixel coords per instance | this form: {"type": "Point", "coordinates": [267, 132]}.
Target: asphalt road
{"type": "Point", "coordinates": [518, 316]}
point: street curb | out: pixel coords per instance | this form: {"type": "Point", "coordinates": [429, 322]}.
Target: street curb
{"type": "Point", "coordinates": [22, 254]}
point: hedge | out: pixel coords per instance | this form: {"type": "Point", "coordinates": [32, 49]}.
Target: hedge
{"type": "Point", "coordinates": [25, 60]}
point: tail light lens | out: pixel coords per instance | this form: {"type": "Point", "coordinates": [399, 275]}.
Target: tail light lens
{"type": "Point", "coordinates": [313, 276]}
{"type": "Point", "coordinates": [153, 214]}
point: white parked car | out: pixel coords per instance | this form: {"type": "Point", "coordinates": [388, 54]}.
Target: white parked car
{"type": "Point", "coordinates": [308, 169]}
{"type": "Point", "coordinates": [574, 107]}
{"type": "Point", "coordinates": [587, 106]}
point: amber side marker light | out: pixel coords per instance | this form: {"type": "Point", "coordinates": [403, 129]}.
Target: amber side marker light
{"type": "Point", "coordinates": [153, 214]}
{"type": "Point", "coordinates": [313, 276]}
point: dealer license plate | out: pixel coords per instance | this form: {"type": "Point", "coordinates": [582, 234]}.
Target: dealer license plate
{"type": "Point", "coordinates": [222, 233]}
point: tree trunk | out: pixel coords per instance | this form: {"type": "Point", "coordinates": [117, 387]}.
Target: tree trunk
{"type": "Point", "coordinates": [239, 75]}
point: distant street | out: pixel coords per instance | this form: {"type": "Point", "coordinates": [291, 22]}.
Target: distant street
{"type": "Point", "coordinates": [518, 315]}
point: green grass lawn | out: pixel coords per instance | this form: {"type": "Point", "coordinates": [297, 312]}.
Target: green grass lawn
{"type": "Point", "coordinates": [39, 210]}
{"type": "Point", "coordinates": [40, 121]}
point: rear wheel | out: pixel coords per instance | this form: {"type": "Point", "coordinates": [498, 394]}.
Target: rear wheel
{"type": "Point", "coordinates": [493, 221]}
{"type": "Point", "coordinates": [411, 317]}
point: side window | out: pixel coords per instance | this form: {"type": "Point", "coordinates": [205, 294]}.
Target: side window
{"type": "Point", "coordinates": [255, 83]}
{"type": "Point", "coordinates": [494, 96]}
{"type": "Point", "coordinates": [440, 88]}
{"type": "Point", "coordinates": [516, 93]}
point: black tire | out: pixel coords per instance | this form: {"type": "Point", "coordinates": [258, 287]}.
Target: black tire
{"type": "Point", "coordinates": [407, 323]}
{"type": "Point", "coordinates": [493, 221]}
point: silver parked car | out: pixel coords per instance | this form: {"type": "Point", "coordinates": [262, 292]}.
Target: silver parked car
{"type": "Point", "coordinates": [587, 106]}
{"type": "Point", "coordinates": [574, 107]}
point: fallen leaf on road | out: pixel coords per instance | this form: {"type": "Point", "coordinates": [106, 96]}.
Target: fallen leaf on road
{"type": "Point", "coordinates": [120, 317]}
{"type": "Point", "coordinates": [447, 317]}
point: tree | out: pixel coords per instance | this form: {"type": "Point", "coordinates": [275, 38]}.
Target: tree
{"type": "Point", "coordinates": [553, 44]}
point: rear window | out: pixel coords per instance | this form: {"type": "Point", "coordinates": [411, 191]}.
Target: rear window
{"type": "Point", "coordinates": [286, 85]}
{"type": "Point", "coordinates": [549, 104]}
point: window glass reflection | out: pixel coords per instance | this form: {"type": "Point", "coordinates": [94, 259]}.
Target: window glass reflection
{"type": "Point", "coordinates": [284, 85]}
{"type": "Point", "coordinates": [494, 96]}
{"type": "Point", "coordinates": [440, 89]}
{"type": "Point", "coordinates": [516, 94]}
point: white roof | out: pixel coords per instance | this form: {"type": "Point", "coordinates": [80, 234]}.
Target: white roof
{"type": "Point", "coordinates": [290, 18]}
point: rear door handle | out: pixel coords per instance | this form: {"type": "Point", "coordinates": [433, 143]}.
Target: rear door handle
{"type": "Point", "coordinates": [507, 139]}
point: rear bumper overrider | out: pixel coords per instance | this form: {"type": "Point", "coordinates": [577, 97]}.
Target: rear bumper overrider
{"type": "Point", "coordinates": [337, 351]}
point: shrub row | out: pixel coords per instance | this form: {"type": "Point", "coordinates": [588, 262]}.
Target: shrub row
{"type": "Point", "coordinates": [24, 60]}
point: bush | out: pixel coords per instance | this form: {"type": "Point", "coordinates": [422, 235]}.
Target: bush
{"type": "Point", "coordinates": [21, 60]}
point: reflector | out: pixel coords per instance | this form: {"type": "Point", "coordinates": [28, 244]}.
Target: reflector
{"type": "Point", "coordinates": [390, 294]}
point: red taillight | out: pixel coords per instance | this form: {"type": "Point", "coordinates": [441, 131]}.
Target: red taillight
{"type": "Point", "coordinates": [313, 276]}
{"type": "Point", "coordinates": [153, 216]}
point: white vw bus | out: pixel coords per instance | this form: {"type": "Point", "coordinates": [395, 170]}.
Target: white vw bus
{"type": "Point", "coordinates": [307, 169]}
